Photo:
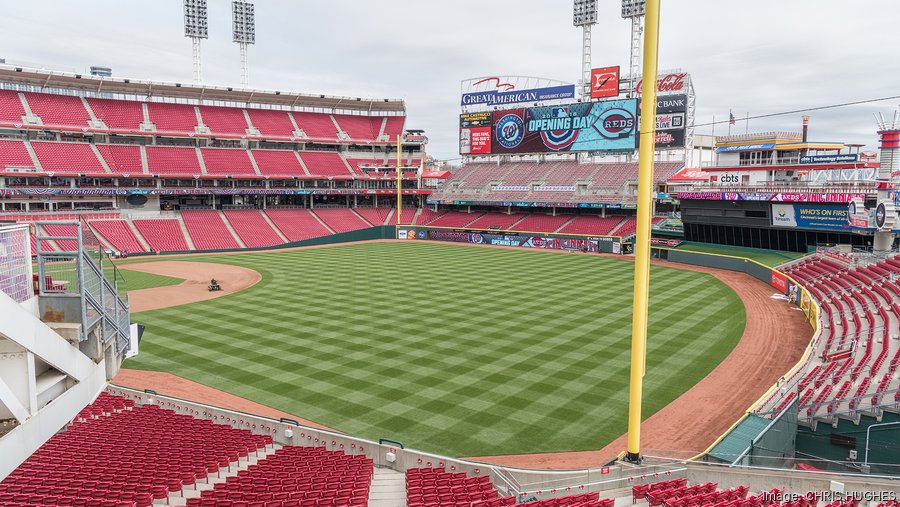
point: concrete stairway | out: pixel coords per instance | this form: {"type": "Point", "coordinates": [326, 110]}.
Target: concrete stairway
{"type": "Point", "coordinates": [193, 491]}
{"type": "Point", "coordinates": [388, 489]}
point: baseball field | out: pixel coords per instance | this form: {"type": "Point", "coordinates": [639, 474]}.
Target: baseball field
{"type": "Point", "coordinates": [452, 349]}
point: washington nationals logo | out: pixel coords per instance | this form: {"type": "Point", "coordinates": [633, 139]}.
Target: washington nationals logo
{"type": "Point", "coordinates": [510, 131]}
{"type": "Point", "coordinates": [615, 124]}
{"type": "Point", "coordinates": [560, 140]}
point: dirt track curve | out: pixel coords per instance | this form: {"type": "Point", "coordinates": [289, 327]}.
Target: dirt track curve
{"type": "Point", "coordinates": [773, 341]}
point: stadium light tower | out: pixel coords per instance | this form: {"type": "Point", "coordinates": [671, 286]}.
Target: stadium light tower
{"type": "Point", "coordinates": [243, 29]}
{"type": "Point", "coordinates": [196, 27]}
{"type": "Point", "coordinates": [585, 16]}
{"type": "Point", "coordinates": [634, 10]}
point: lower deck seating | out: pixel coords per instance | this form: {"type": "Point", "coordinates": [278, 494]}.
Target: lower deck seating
{"type": "Point", "coordinates": [435, 487]}
{"type": "Point", "coordinates": [118, 454]}
{"type": "Point", "coordinates": [341, 219]}
{"type": "Point", "coordinates": [497, 220]}
{"type": "Point", "coordinates": [252, 228]}
{"type": "Point", "coordinates": [118, 234]}
{"type": "Point", "coordinates": [297, 224]}
{"type": "Point", "coordinates": [207, 230]}
{"type": "Point", "coordinates": [591, 224]}
{"type": "Point", "coordinates": [538, 222]}
{"type": "Point", "coordinates": [294, 477]}
{"type": "Point", "coordinates": [375, 216]}
{"type": "Point", "coordinates": [454, 219]}
{"type": "Point", "coordinates": [162, 235]}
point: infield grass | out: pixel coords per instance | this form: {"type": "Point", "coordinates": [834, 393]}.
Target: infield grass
{"type": "Point", "coordinates": [453, 349]}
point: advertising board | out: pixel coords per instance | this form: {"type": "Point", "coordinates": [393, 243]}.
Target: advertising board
{"type": "Point", "coordinates": [605, 82]}
{"type": "Point", "coordinates": [582, 126]}
{"type": "Point", "coordinates": [810, 216]}
{"type": "Point", "coordinates": [505, 98]}
{"type": "Point", "coordinates": [671, 121]}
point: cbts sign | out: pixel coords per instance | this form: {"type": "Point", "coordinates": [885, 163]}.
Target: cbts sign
{"type": "Point", "coordinates": [605, 82]}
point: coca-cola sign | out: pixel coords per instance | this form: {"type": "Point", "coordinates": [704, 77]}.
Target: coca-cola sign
{"type": "Point", "coordinates": [668, 83]}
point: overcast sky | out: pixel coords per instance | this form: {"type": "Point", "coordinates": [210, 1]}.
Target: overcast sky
{"type": "Point", "coordinates": [759, 56]}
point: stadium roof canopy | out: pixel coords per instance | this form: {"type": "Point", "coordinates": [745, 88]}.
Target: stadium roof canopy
{"type": "Point", "coordinates": [48, 79]}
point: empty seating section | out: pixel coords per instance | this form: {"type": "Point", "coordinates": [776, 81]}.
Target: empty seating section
{"type": "Point", "coordinates": [627, 228]}
{"type": "Point", "coordinates": [67, 158]}
{"type": "Point", "coordinates": [524, 173]}
{"type": "Point", "coordinates": [454, 219]}
{"type": "Point", "coordinates": [316, 125]}
{"type": "Point", "coordinates": [482, 174]}
{"type": "Point", "coordinates": [295, 476]}
{"type": "Point", "coordinates": [394, 127]}
{"type": "Point", "coordinates": [227, 161]}
{"type": "Point", "coordinates": [122, 455]}
{"type": "Point", "coordinates": [118, 114]}
{"type": "Point", "coordinates": [60, 230]}
{"type": "Point", "coordinates": [118, 234]}
{"type": "Point", "coordinates": [11, 108]}
{"type": "Point", "coordinates": [173, 117]}
{"type": "Point", "coordinates": [362, 128]}
{"type": "Point", "coordinates": [375, 216]}
{"type": "Point", "coordinates": [252, 228]}
{"type": "Point", "coordinates": [297, 224]}
{"type": "Point", "coordinates": [172, 160]}
{"type": "Point", "coordinates": [278, 163]}
{"type": "Point", "coordinates": [224, 120]}
{"type": "Point", "coordinates": [60, 110]}
{"type": "Point", "coordinates": [14, 154]}
{"type": "Point", "coordinates": [341, 219]}
{"type": "Point", "coordinates": [496, 221]}
{"type": "Point", "coordinates": [121, 159]}
{"type": "Point", "coordinates": [425, 216]}
{"type": "Point", "coordinates": [591, 224]}
{"type": "Point", "coordinates": [435, 487]}
{"type": "Point", "coordinates": [542, 223]}
{"type": "Point", "coordinates": [432, 487]}
{"type": "Point", "coordinates": [856, 363]}
{"type": "Point", "coordinates": [162, 235]}
{"type": "Point", "coordinates": [324, 163]}
{"type": "Point", "coordinates": [271, 122]}
{"type": "Point", "coordinates": [207, 230]}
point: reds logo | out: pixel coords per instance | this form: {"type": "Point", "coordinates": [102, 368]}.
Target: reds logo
{"type": "Point", "coordinates": [615, 124]}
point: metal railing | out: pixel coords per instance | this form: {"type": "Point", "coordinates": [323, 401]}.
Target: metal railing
{"type": "Point", "coordinates": [15, 263]}
{"type": "Point", "coordinates": [76, 272]}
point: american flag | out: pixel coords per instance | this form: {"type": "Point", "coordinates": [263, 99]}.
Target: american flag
{"type": "Point", "coordinates": [731, 118]}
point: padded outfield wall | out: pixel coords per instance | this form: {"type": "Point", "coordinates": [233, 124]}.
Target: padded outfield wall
{"type": "Point", "coordinates": [549, 241]}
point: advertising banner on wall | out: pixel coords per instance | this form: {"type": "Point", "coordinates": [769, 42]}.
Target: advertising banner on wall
{"type": "Point", "coordinates": [583, 126]}
{"type": "Point", "coordinates": [671, 121]}
{"type": "Point", "coordinates": [504, 98]}
{"type": "Point", "coordinates": [475, 133]}
{"type": "Point", "coordinates": [810, 216]}
{"type": "Point", "coordinates": [605, 82]}
{"type": "Point", "coordinates": [583, 244]}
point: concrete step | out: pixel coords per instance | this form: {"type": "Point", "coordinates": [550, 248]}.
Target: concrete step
{"type": "Point", "coordinates": [388, 489]}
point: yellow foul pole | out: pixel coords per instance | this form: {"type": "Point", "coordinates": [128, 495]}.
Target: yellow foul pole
{"type": "Point", "coordinates": [642, 243]}
{"type": "Point", "coordinates": [399, 184]}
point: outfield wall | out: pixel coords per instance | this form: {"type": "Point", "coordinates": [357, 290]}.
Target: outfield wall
{"type": "Point", "coordinates": [496, 237]}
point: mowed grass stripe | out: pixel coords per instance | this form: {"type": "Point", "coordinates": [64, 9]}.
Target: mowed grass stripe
{"type": "Point", "coordinates": [448, 348]}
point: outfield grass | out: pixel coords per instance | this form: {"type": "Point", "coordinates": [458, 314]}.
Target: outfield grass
{"type": "Point", "coordinates": [769, 258]}
{"type": "Point", "coordinates": [452, 349]}
{"type": "Point", "coordinates": [136, 280]}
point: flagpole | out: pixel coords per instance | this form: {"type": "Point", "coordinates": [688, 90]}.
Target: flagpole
{"type": "Point", "coordinates": [730, 116]}
{"type": "Point", "coordinates": [748, 123]}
